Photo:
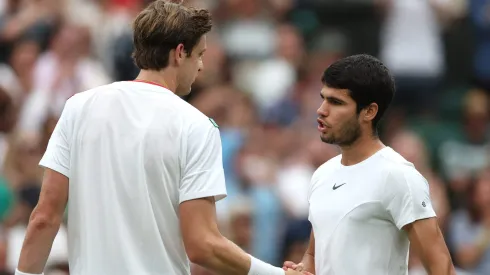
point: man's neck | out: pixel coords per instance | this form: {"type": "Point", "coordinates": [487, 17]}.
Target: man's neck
{"type": "Point", "coordinates": [165, 78]}
{"type": "Point", "coordinates": [362, 149]}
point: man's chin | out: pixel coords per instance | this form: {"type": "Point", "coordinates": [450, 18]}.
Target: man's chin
{"type": "Point", "coordinates": [327, 140]}
{"type": "Point", "coordinates": [183, 92]}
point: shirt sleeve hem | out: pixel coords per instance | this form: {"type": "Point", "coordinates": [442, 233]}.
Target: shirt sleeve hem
{"type": "Point", "coordinates": [410, 220]}
{"type": "Point", "coordinates": [56, 167]}
{"type": "Point", "coordinates": [217, 194]}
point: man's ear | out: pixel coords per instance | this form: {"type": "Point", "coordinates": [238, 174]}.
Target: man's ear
{"type": "Point", "coordinates": [369, 112]}
{"type": "Point", "coordinates": [178, 54]}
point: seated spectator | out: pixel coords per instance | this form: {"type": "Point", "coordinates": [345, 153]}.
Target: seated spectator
{"type": "Point", "coordinates": [461, 158]}
{"type": "Point", "coordinates": [470, 228]}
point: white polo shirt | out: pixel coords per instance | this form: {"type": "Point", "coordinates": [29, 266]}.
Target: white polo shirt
{"type": "Point", "coordinates": [358, 213]}
{"type": "Point", "coordinates": [133, 152]}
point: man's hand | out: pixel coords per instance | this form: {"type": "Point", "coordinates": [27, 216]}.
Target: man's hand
{"type": "Point", "coordinates": [296, 272]}
{"type": "Point", "coordinates": [291, 265]}
{"type": "Point", "coordinates": [288, 265]}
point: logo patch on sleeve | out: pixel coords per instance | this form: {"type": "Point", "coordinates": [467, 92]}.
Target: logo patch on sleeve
{"type": "Point", "coordinates": [214, 123]}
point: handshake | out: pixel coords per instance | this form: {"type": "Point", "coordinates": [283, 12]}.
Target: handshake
{"type": "Point", "coordinates": [295, 269]}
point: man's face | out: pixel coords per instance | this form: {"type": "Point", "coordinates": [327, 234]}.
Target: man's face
{"type": "Point", "coordinates": [190, 68]}
{"type": "Point", "coordinates": [338, 122]}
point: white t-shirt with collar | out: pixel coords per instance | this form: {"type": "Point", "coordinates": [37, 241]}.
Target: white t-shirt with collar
{"type": "Point", "coordinates": [358, 213]}
{"type": "Point", "coordinates": [133, 152]}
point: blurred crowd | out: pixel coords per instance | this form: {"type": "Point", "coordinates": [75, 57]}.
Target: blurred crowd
{"type": "Point", "coordinates": [261, 84]}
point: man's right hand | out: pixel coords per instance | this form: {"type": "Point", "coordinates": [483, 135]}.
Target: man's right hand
{"type": "Point", "coordinates": [291, 265]}
{"type": "Point", "coordinates": [296, 272]}
{"type": "Point", "coordinates": [297, 268]}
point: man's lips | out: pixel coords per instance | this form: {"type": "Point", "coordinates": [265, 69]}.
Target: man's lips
{"type": "Point", "coordinates": [322, 126]}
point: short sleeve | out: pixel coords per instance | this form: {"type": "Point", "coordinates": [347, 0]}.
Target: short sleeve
{"type": "Point", "coordinates": [57, 155]}
{"type": "Point", "coordinates": [407, 196]}
{"type": "Point", "coordinates": [203, 174]}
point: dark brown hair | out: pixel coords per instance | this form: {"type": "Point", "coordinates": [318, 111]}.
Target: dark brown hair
{"type": "Point", "coordinates": [161, 27]}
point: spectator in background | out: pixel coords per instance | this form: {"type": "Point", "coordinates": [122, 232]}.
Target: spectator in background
{"type": "Point", "coordinates": [270, 80]}
{"type": "Point", "coordinates": [17, 74]}
{"type": "Point", "coordinates": [293, 184]}
{"type": "Point", "coordinates": [22, 158]}
{"type": "Point", "coordinates": [256, 167]}
{"type": "Point", "coordinates": [6, 200]}
{"type": "Point", "coordinates": [294, 174]}
{"type": "Point", "coordinates": [469, 229]}
{"type": "Point", "coordinates": [460, 159]}
{"type": "Point", "coordinates": [108, 21]}
{"type": "Point", "coordinates": [479, 12]}
{"type": "Point", "coordinates": [240, 223]}
{"type": "Point", "coordinates": [35, 19]}
{"type": "Point", "coordinates": [7, 122]}
{"type": "Point", "coordinates": [28, 197]}
{"type": "Point", "coordinates": [8, 118]}
{"type": "Point", "coordinates": [65, 69]}
{"type": "Point", "coordinates": [246, 22]}
{"type": "Point", "coordinates": [412, 48]}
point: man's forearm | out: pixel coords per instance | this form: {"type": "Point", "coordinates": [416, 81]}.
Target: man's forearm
{"type": "Point", "coordinates": [439, 263]}
{"type": "Point", "coordinates": [442, 268]}
{"type": "Point", "coordinates": [37, 245]}
{"type": "Point", "coordinates": [309, 262]}
{"type": "Point", "coordinates": [226, 257]}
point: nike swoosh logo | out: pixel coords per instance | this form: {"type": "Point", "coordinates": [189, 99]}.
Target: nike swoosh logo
{"type": "Point", "coordinates": [335, 186]}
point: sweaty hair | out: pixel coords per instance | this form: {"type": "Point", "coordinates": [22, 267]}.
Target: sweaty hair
{"type": "Point", "coordinates": [161, 27]}
{"type": "Point", "coordinates": [367, 79]}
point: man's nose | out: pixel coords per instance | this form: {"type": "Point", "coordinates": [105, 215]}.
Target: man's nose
{"type": "Point", "coordinates": [322, 110]}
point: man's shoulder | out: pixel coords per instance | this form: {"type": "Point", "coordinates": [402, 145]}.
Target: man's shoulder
{"type": "Point", "coordinates": [392, 162]}
{"type": "Point", "coordinates": [398, 171]}
{"type": "Point", "coordinates": [329, 166]}
{"type": "Point", "coordinates": [76, 102]}
{"type": "Point", "coordinates": [192, 112]}
{"type": "Point", "coordinates": [194, 119]}
{"type": "Point", "coordinates": [81, 97]}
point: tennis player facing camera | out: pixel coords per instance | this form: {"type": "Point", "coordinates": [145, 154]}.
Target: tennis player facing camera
{"type": "Point", "coordinates": [368, 204]}
{"type": "Point", "coordinates": [139, 168]}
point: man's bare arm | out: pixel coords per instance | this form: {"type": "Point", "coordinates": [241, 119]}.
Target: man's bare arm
{"type": "Point", "coordinates": [427, 241]}
{"type": "Point", "coordinates": [206, 246]}
{"type": "Point", "coordinates": [309, 257]}
{"type": "Point", "coordinates": [44, 223]}
{"type": "Point", "coordinates": [204, 243]}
